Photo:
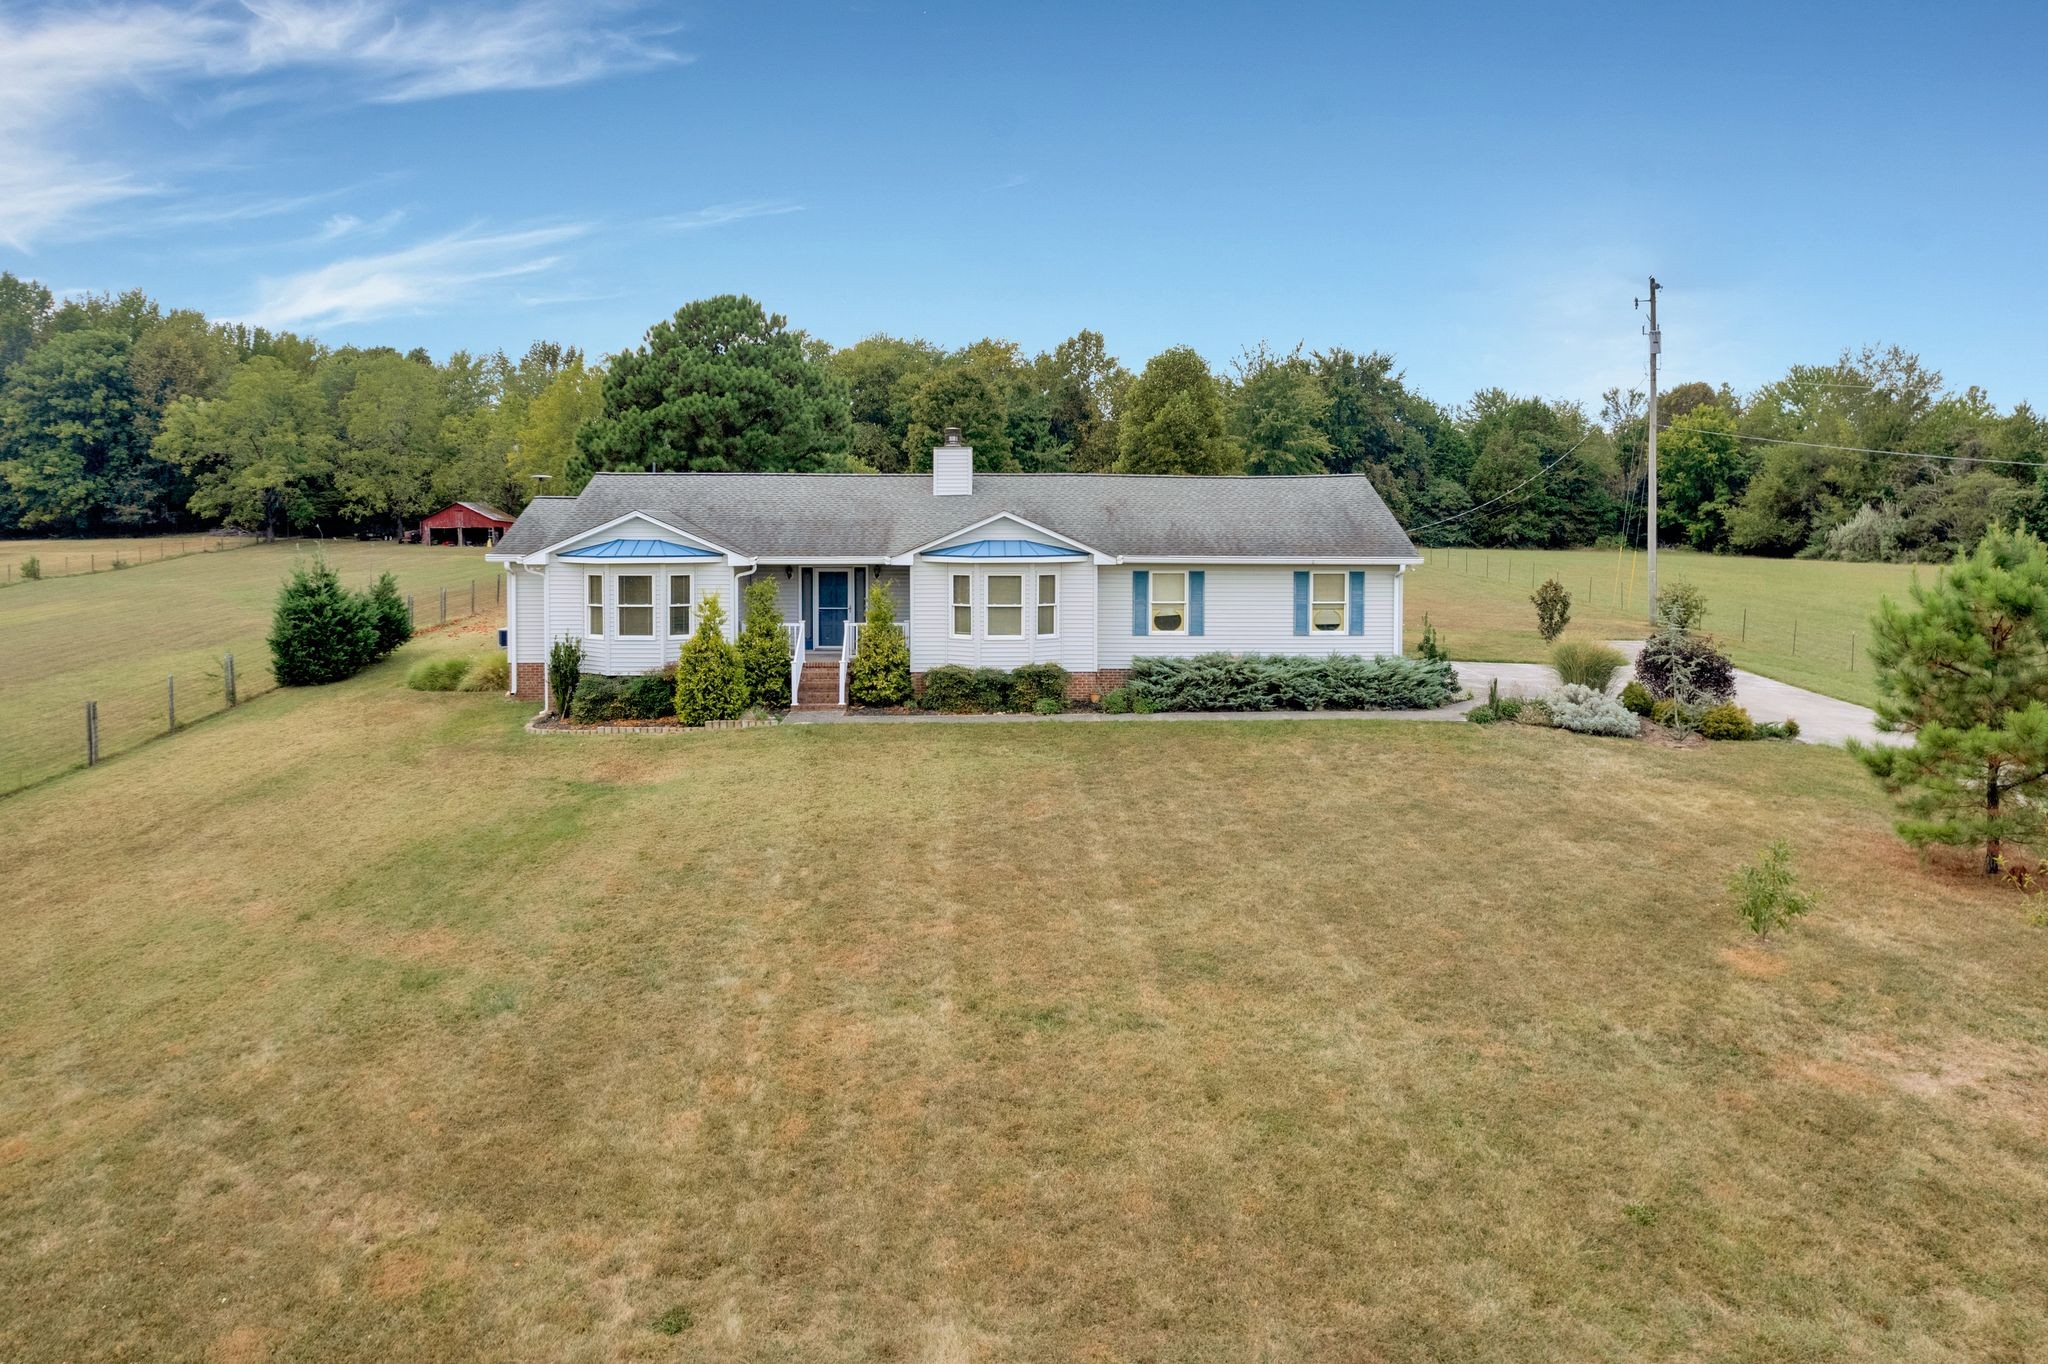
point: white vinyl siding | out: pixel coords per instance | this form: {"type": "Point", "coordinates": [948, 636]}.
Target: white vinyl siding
{"type": "Point", "coordinates": [1246, 609]}
{"type": "Point", "coordinates": [566, 585]}
{"type": "Point", "coordinates": [930, 618]}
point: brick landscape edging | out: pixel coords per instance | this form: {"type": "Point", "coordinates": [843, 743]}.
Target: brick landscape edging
{"type": "Point", "coordinates": [547, 722]}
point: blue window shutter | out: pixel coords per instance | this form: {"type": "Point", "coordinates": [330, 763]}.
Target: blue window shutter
{"type": "Point", "coordinates": [1196, 578]}
{"type": "Point", "coordinates": [1300, 601]}
{"type": "Point", "coordinates": [1141, 601]}
{"type": "Point", "coordinates": [1356, 625]}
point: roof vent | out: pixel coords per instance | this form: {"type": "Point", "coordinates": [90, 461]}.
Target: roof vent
{"type": "Point", "coordinates": [952, 466]}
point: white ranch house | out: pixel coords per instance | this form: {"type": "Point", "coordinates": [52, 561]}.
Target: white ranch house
{"type": "Point", "coordinates": [1089, 571]}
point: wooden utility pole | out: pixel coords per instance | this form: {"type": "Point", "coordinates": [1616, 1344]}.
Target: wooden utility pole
{"type": "Point", "coordinates": [1656, 345]}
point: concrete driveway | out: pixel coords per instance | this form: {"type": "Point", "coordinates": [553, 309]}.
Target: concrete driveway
{"type": "Point", "coordinates": [1822, 719]}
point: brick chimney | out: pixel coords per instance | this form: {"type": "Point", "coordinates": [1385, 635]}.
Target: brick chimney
{"type": "Point", "coordinates": [952, 466]}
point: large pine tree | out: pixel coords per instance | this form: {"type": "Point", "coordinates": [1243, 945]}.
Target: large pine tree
{"type": "Point", "coordinates": [1964, 669]}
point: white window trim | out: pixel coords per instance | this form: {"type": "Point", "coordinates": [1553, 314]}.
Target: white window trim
{"type": "Point", "coordinates": [989, 606]}
{"type": "Point", "coordinates": [689, 604]}
{"type": "Point", "coordinates": [650, 606]}
{"type": "Point", "coordinates": [1342, 603]}
{"type": "Point", "coordinates": [1039, 605]}
{"type": "Point", "coordinates": [953, 605]}
{"type": "Point", "coordinates": [1152, 601]}
{"type": "Point", "coordinates": [602, 604]}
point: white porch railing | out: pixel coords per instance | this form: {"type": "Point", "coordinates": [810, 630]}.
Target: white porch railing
{"type": "Point", "coordinates": [846, 656]}
{"type": "Point", "coordinates": [795, 630]}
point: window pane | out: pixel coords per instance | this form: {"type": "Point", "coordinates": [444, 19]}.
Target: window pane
{"type": "Point", "coordinates": [1166, 619]}
{"type": "Point", "coordinates": [593, 592]}
{"type": "Point", "coordinates": [637, 621]}
{"type": "Point", "coordinates": [961, 587]}
{"type": "Point", "coordinates": [963, 620]}
{"type": "Point", "coordinates": [1329, 587]}
{"type": "Point", "coordinates": [1047, 622]}
{"type": "Point", "coordinates": [1328, 618]}
{"type": "Point", "coordinates": [679, 604]}
{"type": "Point", "coordinates": [1170, 587]}
{"type": "Point", "coordinates": [1005, 622]}
{"type": "Point", "coordinates": [1048, 588]}
{"type": "Point", "coordinates": [636, 589]}
{"type": "Point", "coordinates": [1006, 589]}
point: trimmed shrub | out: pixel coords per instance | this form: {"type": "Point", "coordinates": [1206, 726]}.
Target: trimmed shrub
{"type": "Point", "coordinates": [438, 674]}
{"type": "Point", "coordinates": [490, 672]}
{"type": "Point", "coordinates": [1553, 609]}
{"type": "Point", "coordinates": [1036, 682]}
{"type": "Point", "coordinates": [1588, 710]}
{"type": "Point", "coordinates": [320, 632]}
{"type": "Point", "coordinates": [388, 616]}
{"type": "Point", "coordinates": [1116, 701]}
{"type": "Point", "coordinates": [960, 690]}
{"type": "Point", "coordinates": [599, 701]}
{"type": "Point", "coordinates": [1775, 729]}
{"type": "Point", "coordinates": [764, 648]}
{"type": "Point", "coordinates": [1286, 682]}
{"type": "Point", "coordinates": [710, 683]}
{"type": "Point", "coordinates": [1586, 665]}
{"type": "Point", "coordinates": [565, 672]}
{"type": "Point", "coordinates": [1727, 721]}
{"type": "Point", "coordinates": [1636, 698]}
{"type": "Point", "coordinates": [1686, 666]}
{"type": "Point", "coordinates": [31, 568]}
{"type": "Point", "coordinates": [1680, 607]}
{"type": "Point", "coordinates": [1499, 708]}
{"type": "Point", "coordinates": [1048, 705]}
{"type": "Point", "coordinates": [879, 674]}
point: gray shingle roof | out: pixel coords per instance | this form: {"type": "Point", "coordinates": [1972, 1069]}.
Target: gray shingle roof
{"type": "Point", "coordinates": [769, 516]}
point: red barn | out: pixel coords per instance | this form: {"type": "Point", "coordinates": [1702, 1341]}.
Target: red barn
{"type": "Point", "coordinates": [453, 523]}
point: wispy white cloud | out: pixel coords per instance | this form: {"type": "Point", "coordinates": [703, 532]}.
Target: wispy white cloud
{"type": "Point", "coordinates": [341, 225]}
{"type": "Point", "coordinates": [718, 215]}
{"type": "Point", "coordinates": [1011, 182]}
{"type": "Point", "coordinates": [59, 68]}
{"type": "Point", "coordinates": [412, 279]}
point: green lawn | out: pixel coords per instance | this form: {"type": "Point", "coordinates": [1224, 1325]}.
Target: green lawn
{"type": "Point", "coordinates": [114, 637]}
{"type": "Point", "coordinates": [1799, 620]}
{"type": "Point", "coordinates": [60, 558]}
{"type": "Point", "coordinates": [360, 1024]}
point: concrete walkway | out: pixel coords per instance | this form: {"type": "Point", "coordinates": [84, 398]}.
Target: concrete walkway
{"type": "Point", "coordinates": [1822, 719]}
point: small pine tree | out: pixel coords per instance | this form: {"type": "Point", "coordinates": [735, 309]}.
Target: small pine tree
{"type": "Point", "coordinates": [1553, 609]}
{"type": "Point", "coordinates": [388, 615]}
{"type": "Point", "coordinates": [1766, 892]}
{"type": "Point", "coordinates": [880, 672]}
{"type": "Point", "coordinates": [320, 632]}
{"type": "Point", "coordinates": [1680, 608]}
{"type": "Point", "coordinates": [1965, 671]}
{"type": "Point", "coordinates": [1432, 647]}
{"type": "Point", "coordinates": [764, 648]}
{"type": "Point", "coordinates": [710, 683]}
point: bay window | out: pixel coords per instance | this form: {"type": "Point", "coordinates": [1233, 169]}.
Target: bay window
{"type": "Point", "coordinates": [1005, 606]}
{"type": "Point", "coordinates": [636, 605]}
{"type": "Point", "coordinates": [1048, 603]}
{"type": "Point", "coordinates": [593, 593]}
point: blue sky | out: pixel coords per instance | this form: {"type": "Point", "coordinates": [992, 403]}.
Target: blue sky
{"type": "Point", "coordinates": [1478, 189]}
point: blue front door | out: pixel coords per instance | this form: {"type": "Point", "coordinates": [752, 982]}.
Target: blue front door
{"type": "Point", "coordinates": [832, 598]}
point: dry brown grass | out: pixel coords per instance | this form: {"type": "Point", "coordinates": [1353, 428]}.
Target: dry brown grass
{"type": "Point", "coordinates": [400, 1034]}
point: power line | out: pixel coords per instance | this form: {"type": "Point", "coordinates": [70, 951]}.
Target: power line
{"type": "Point", "coordinates": [1865, 450]}
{"type": "Point", "coordinates": [1445, 521]}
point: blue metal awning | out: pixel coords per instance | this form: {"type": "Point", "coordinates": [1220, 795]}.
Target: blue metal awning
{"type": "Point", "coordinates": [640, 549]}
{"type": "Point", "coordinates": [1005, 549]}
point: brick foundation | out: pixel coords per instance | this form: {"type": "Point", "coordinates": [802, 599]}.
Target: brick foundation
{"type": "Point", "coordinates": [531, 682]}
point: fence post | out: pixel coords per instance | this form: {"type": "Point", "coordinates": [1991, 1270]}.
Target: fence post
{"type": "Point", "coordinates": [412, 617]}
{"type": "Point", "coordinates": [472, 596]}
{"type": "Point", "coordinates": [171, 702]}
{"type": "Point", "coordinates": [228, 677]}
{"type": "Point", "coordinates": [1852, 651]}
{"type": "Point", "coordinates": [1745, 625]}
{"type": "Point", "coordinates": [444, 606]}
{"type": "Point", "coordinates": [1795, 636]}
{"type": "Point", "coordinates": [92, 733]}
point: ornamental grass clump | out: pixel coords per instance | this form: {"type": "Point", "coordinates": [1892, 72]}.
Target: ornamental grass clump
{"type": "Point", "coordinates": [1586, 665]}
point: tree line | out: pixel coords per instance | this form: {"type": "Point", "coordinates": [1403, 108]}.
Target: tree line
{"type": "Point", "coordinates": [118, 415]}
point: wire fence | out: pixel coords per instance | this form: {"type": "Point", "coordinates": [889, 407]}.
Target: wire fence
{"type": "Point", "coordinates": [1622, 589]}
{"type": "Point", "coordinates": [29, 562]}
{"type": "Point", "coordinates": [129, 708]}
